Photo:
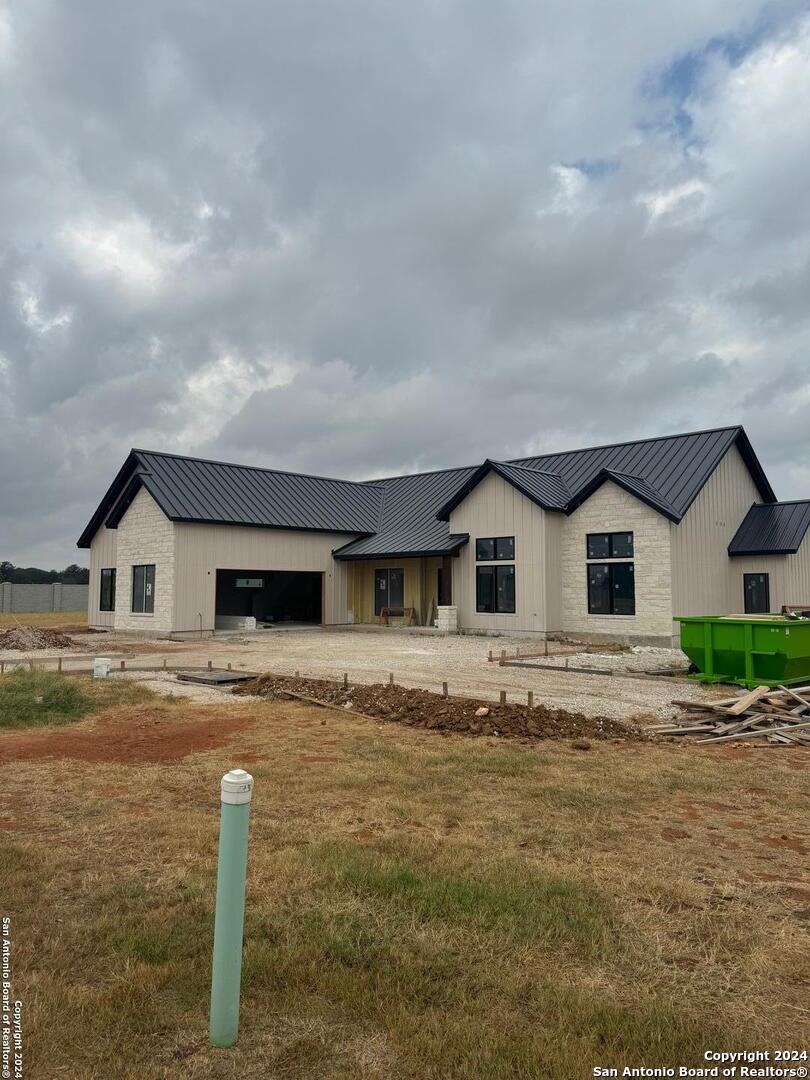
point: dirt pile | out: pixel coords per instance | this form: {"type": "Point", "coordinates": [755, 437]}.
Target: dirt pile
{"type": "Point", "coordinates": [421, 708]}
{"type": "Point", "coordinates": [31, 638]}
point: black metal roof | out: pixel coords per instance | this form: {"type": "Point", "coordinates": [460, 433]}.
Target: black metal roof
{"type": "Point", "coordinates": [215, 492]}
{"type": "Point", "coordinates": [772, 529]}
{"type": "Point", "coordinates": [407, 515]}
{"type": "Point", "coordinates": [409, 526]}
{"type": "Point", "coordinates": [674, 467]}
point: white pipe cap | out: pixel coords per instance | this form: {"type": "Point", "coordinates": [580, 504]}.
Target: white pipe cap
{"type": "Point", "coordinates": [236, 787]}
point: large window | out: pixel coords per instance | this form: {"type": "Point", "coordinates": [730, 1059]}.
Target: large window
{"type": "Point", "coordinates": [107, 602]}
{"type": "Point", "coordinates": [491, 548]}
{"type": "Point", "coordinates": [611, 589]}
{"type": "Point", "coordinates": [143, 589]}
{"type": "Point", "coordinates": [495, 589]}
{"type": "Point", "coordinates": [618, 545]}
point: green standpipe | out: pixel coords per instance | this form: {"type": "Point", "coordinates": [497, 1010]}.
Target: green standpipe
{"type": "Point", "coordinates": [229, 920]}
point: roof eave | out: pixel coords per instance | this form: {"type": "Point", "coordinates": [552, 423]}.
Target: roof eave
{"type": "Point", "coordinates": [444, 512]}
{"type": "Point", "coordinates": [761, 552]}
{"type": "Point", "coordinates": [460, 539]}
{"type": "Point", "coordinates": [603, 477]}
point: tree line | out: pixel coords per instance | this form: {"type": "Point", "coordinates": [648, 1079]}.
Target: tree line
{"type": "Point", "coordinates": [32, 575]}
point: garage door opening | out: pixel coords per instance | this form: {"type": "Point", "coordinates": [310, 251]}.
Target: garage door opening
{"type": "Point", "coordinates": [272, 597]}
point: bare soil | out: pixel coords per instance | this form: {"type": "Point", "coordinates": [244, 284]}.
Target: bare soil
{"type": "Point", "coordinates": [421, 708]}
{"type": "Point", "coordinates": [131, 736]}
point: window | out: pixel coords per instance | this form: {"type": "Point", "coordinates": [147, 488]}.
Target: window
{"type": "Point", "coordinates": [107, 590]}
{"type": "Point", "coordinates": [617, 545]}
{"type": "Point", "coordinates": [495, 589]}
{"type": "Point", "coordinates": [143, 589]}
{"type": "Point", "coordinates": [490, 548]}
{"type": "Point", "coordinates": [611, 589]}
{"type": "Point", "coordinates": [756, 592]}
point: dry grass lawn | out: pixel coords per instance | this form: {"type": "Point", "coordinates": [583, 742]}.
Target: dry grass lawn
{"type": "Point", "coordinates": [67, 622]}
{"type": "Point", "coordinates": [419, 906]}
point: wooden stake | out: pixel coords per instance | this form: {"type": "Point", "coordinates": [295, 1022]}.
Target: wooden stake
{"type": "Point", "coordinates": [490, 656]}
{"type": "Point", "coordinates": [2, 666]}
{"type": "Point", "coordinates": [123, 665]}
{"type": "Point", "coordinates": [503, 697]}
{"type": "Point", "coordinates": [345, 680]}
{"type": "Point", "coordinates": [391, 678]}
{"type": "Point", "coordinates": [164, 663]}
{"type": "Point", "coordinates": [298, 674]}
{"type": "Point", "coordinates": [229, 665]}
{"type": "Point", "coordinates": [444, 689]}
{"type": "Point", "coordinates": [503, 658]}
{"type": "Point", "coordinates": [59, 664]}
{"type": "Point", "coordinates": [31, 664]}
{"type": "Point", "coordinates": [530, 699]}
{"type": "Point", "coordinates": [209, 665]}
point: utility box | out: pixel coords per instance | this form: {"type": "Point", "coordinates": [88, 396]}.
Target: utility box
{"type": "Point", "coordinates": [750, 650]}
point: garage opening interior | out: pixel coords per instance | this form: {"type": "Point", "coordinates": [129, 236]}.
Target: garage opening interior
{"type": "Point", "coordinates": [272, 597]}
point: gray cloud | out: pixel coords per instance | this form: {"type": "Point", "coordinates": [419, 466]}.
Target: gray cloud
{"type": "Point", "coordinates": [355, 241]}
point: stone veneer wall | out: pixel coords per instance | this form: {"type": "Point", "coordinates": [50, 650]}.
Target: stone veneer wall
{"type": "Point", "coordinates": [145, 535]}
{"type": "Point", "coordinates": [611, 509]}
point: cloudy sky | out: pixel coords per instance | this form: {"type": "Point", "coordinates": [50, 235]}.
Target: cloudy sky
{"type": "Point", "coordinates": [369, 237]}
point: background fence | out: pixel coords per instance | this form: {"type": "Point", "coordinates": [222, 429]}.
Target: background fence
{"type": "Point", "coordinates": [55, 597]}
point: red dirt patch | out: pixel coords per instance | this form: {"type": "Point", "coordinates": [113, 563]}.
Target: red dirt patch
{"type": "Point", "coordinates": [792, 843]}
{"type": "Point", "coordinates": [421, 708]}
{"type": "Point", "coordinates": [128, 736]}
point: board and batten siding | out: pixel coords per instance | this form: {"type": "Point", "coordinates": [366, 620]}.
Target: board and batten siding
{"type": "Point", "coordinates": [495, 508]}
{"type": "Point", "coordinates": [103, 548]}
{"type": "Point", "coordinates": [705, 579]}
{"type": "Point", "coordinates": [201, 550]}
{"type": "Point", "coordinates": [421, 586]}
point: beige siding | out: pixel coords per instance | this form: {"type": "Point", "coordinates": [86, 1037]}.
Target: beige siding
{"type": "Point", "coordinates": [145, 535]}
{"type": "Point", "coordinates": [612, 509]}
{"type": "Point", "coordinates": [421, 582]}
{"type": "Point", "coordinates": [102, 556]}
{"type": "Point", "coordinates": [495, 508]}
{"type": "Point", "coordinates": [704, 579]}
{"type": "Point", "coordinates": [201, 550]}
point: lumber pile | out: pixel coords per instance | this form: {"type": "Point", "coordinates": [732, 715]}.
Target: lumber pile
{"type": "Point", "coordinates": [778, 716]}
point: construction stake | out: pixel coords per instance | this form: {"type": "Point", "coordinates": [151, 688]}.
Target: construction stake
{"type": "Point", "coordinates": [530, 699]}
{"type": "Point", "coordinates": [503, 697]}
{"type": "Point", "coordinates": [345, 680]}
{"type": "Point", "coordinates": [391, 678]}
{"type": "Point", "coordinates": [444, 689]}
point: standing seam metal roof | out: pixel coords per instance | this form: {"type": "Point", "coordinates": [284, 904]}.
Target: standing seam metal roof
{"type": "Point", "coordinates": [772, 529]}
{"type": "Point", "coordinates": [397, 516]}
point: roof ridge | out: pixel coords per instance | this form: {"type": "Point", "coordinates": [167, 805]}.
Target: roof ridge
{"type": "Point", "coordinates": [627, 442]}
{"type": "Point", "coordinates": [254, 468]}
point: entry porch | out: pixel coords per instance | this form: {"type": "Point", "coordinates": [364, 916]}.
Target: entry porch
{"type": "Point", "coordinates": [398, 591]}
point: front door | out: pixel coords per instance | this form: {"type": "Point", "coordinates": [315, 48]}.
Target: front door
{"type": "Point", "coordinates": [757, 594]}
{"type": "Point", "coordinates": [389, 590]}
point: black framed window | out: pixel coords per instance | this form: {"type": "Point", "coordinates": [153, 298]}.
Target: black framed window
{"type": "Point", "coordinates": [495, 589]}
{"type": "Point", "coordinates": [492, 548]}
{"type": "Point", "coordinates": [107, 601]}
{"type": "Point", "coordinates": [757, 594]}
{"type": "Point", "coordinates": [143, 589]}
{"type": "Point", "coordinates": [618, 545]}
{"type": "Point", "coordinates": [611, 589]}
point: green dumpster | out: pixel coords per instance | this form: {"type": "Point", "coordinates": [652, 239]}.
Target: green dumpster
{"type": "Point", "coordinates": [749, 650]}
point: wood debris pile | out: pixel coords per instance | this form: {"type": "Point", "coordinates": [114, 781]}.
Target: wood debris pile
{"type": "Point", "coordinates": [779, 716]}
